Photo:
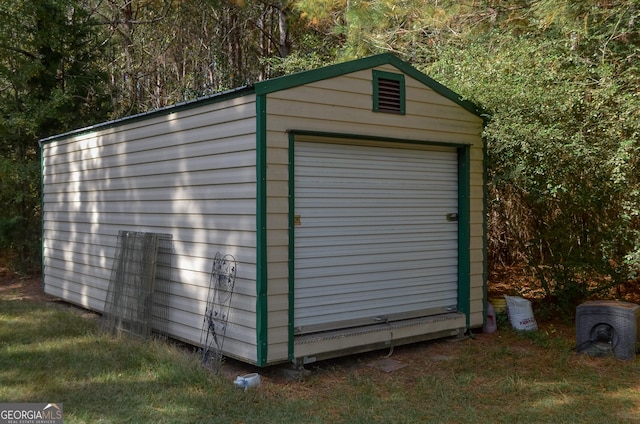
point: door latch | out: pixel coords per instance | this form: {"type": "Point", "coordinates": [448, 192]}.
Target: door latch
{"type": "Point", "coordinates": [452, 217]}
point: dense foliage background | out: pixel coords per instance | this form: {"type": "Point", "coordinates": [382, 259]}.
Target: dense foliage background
{"type": "Point", "coordinates": [559, 81]}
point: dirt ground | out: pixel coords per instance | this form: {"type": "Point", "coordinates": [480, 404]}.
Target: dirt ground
{"type": "Point", "coordinates": [17, 287]}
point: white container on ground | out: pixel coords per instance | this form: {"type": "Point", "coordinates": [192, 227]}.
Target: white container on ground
{"type": "Point", "coordinates": [490, 326]}
{"type": "Point", "coordinates": [247, 381]}
{"type": "Point", "coordinates": [520, 313]}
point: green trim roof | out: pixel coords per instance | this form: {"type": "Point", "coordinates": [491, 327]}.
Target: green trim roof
{"type": "Point", "coordinates": [290, 81]}
{"type": "Point", "coordinates": [213, 98]}
{"type": "Point", "coordinates": [327, 72]}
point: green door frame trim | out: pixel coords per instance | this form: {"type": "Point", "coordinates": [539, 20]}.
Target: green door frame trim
{"type": "Point", "coordinates": [262, 300]}
{"type": "Point", "coordinates": [292, 238]}
{"type": "Point", "coordinates": [464, 233]}
{"type": "Point", "coordinates": [463, 150]}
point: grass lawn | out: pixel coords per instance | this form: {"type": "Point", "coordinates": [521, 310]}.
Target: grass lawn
{"type": "Point", "coordinates": [51, 353]}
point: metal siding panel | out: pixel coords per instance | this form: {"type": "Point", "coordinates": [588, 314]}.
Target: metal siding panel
{"type": "Point", "coordinates": [99, 154]}
{"type": "Point", "coordinates": [139, 204]}
{"type": "Point", "coordinates": [56, 184]}
{"type": "Point", "coordinates": [170, 165]}
{"type": "Point", "coordinates": [373, 240]}
{"type": "Point", "coordinates": [238, 112]}
{"type": "Point", "coordinates": [344, 116]}
{"type": "Point", "coordinates": [158, 175]}
{"type": "Point", "coordinates": [83, 234]}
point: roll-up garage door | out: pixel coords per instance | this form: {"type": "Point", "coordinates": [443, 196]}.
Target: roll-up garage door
{"type": "Point", "coordinates": [376, 237]}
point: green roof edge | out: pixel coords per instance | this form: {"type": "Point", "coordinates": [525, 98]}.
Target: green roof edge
{"type": "Point", "coordinates": [176, 107]}
{"type": "Point", "coordinates": [330, 71]}
{"type": "Point", "coordinates": [290, 81]}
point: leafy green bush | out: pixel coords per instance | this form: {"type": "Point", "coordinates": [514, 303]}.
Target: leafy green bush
{"type": "Point", "coordinates": [563, 148]}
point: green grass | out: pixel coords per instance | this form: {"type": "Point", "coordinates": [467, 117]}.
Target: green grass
{"type": "Point", "coordinates": [52, 354]}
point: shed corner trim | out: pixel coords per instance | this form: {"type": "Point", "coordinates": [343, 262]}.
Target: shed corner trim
{"type": "Point", "coordinates": [262, 304]}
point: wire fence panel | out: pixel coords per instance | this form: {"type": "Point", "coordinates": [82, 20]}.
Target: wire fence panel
{"type": "Point", "coordinates": [134, 305]}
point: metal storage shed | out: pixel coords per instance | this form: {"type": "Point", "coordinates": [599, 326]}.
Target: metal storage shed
{"type": "Point", "coordinates": [352, 197]}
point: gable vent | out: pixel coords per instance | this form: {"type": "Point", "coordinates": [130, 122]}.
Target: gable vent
{"type": "Point", "coordinates": [389, 97]}
{"type": "Point", "coordinates": [388, 92]}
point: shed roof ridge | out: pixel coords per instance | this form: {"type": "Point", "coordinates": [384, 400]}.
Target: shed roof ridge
{"type": "Point", "coordinates": [337, 69]}
{"type": "Point", "coordinates": [293, 80]}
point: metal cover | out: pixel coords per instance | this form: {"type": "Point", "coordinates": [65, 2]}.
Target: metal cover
{"type": "Point", "coordinates": [372, 238]}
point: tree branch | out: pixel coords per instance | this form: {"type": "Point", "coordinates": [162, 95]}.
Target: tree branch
{"type": "Point", "coordinates": [18, 50]}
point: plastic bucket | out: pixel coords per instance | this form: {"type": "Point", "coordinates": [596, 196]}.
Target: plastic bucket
{"type": "Point", "coordinates": [499, 304]}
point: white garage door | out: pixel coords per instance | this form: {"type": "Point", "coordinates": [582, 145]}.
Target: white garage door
{"type": "Point", "coordinates": [375, 238]}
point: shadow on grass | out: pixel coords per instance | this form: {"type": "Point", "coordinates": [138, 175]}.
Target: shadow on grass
{"type": "Point", "coordinates": [48, 354]}
{"type": "Point", "coordinates": [52, 355]}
